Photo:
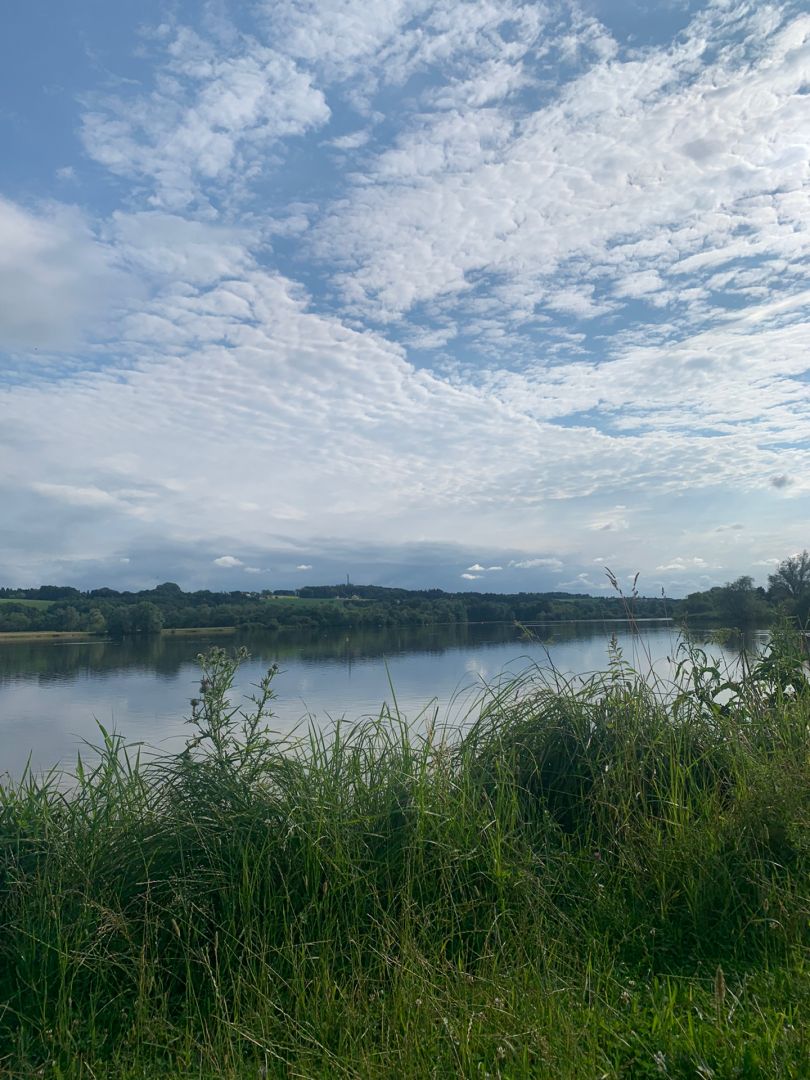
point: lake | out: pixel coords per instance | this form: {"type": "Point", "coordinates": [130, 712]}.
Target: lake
{"type": "Point", "coordinates": [52, 693]}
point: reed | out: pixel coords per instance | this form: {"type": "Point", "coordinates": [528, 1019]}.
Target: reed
{"type": "Point", "coordinates": [587, 878]}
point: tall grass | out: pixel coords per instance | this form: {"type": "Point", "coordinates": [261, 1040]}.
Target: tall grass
{"type": "Point", "coordinates": [589, 880]}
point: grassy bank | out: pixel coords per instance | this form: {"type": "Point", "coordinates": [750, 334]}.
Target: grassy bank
{"type": "Point", "coordinates": [82, 635]}
{"type": "Point", "coordinates": [589, 881]}
{"type": "Point", "coordinates": [45, 635]}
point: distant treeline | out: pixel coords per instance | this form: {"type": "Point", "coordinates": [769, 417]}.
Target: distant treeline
{"type": "Point", "coordinates": [105, 611]}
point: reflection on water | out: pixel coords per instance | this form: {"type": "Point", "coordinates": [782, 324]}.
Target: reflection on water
{"type": "Point", "coordinates": [53, 693]}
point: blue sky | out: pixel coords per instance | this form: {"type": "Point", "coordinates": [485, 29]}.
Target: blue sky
{"type": "Point", "coordinates": [479, 294]}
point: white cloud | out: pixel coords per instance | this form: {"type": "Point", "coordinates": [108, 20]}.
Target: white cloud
{"type": "Point", "coordinates": [170, 248]}
{"type": "Point", "coordinates": [210, 119]}
{"type": "Point", "coordinates": [630, 170]}
{"type": "Point", "coordinates": [56, 277]}
{"type": "Point", "coordinates": [602, 275]}
{"type": "Point", "coordinates": [680, 564]}
{"type": "Point", "coordinates": [351, 141]}
{"type": "Point", "coordinates": [76, 496]}
{"type": "Point", "coordinates": [610, 522]}
{"type": "Point", "coordinates": [243, 392]}
{"type": "Point", "coordinates": [135, 503]}
{"type": "Point", "coordinates": [471, 577]}
{"type": "Point", "coordinates": [384, 42]}
{"type": "Point", "coordinates": [304, 566]}
{"type": "Point", "coordinates": [229, 561]}
{"type": "Point", "coordinates": [584, 581]}
{"type": "Point", "coordinates": [536, 564]}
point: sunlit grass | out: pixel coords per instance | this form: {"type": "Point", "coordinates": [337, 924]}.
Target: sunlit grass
{"type": "Point", "coordinates": [586, 880]}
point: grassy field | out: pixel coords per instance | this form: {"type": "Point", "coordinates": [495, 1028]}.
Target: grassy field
{"type": "Point", "coordinates": [11, 636]}
{"type": "Point", "coordinates": [83, 635]}
{"type": "Point", "coordinates": [589, 881]}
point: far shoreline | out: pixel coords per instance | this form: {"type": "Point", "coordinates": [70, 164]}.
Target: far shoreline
{"type": "Point", "coordinates": [10, 637]}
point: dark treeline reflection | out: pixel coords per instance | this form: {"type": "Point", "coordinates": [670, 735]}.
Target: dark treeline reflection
{"type": "Point", "coordinates": [166, 655]}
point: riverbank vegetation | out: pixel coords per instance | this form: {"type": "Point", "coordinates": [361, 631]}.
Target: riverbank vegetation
{"type": "Point", "coordinates": [104, 611]}
{"type": "Point", "coordinates": [598, 879]}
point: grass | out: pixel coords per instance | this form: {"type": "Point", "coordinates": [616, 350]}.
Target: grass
{"type": "Point", "coordinates": [594, 880]}
{"type": "Point", "coordinates": [85, 635]}
{"type": "Point", "coordinates": [45, 635]}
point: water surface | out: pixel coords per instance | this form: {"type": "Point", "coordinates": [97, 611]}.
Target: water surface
{"type": "Point", "coordinates": [52, 694]}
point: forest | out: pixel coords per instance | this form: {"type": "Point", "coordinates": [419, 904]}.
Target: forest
{"type": "Point", "coordinates": [104, 611]}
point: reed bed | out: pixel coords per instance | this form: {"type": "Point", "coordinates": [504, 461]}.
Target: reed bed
{"type": "Point", "coordinates": [588, 879]}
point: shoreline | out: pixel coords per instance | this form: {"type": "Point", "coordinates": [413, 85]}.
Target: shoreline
{"type": "Point", "coordinates": [10, 637]}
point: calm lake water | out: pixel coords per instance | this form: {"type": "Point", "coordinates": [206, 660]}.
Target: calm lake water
{"type": "Point", "coordinates": [52, 694]}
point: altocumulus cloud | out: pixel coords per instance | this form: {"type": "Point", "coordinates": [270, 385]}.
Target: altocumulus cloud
{"type": "Point", "coordinates": [57, 277]}
{"type": "Point", "coordinates": [350, 273]}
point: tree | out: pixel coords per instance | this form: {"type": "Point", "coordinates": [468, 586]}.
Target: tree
{"type": "Point", "coordinates": [147, 618]}
{"type": "Point", "coordinates": [68, 618]}
{"type": "Point", "coordinates": [55, 592]}
{"type": "Point", "coordinates": [741, 604]}
{"type": "Point", "coordinates": [119, 621]}
{"type": "Point", "coordinates": [168, 588]}
{"type": "Point", "coordinates": [790, 582]}
{"type": "Point", "coordinates": [14, 621]}
{"type": "Point", "coordinates": [96, 623]}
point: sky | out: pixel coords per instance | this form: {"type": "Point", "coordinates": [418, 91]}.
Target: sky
{"type": "Point", "coordinates": [476, 294]}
